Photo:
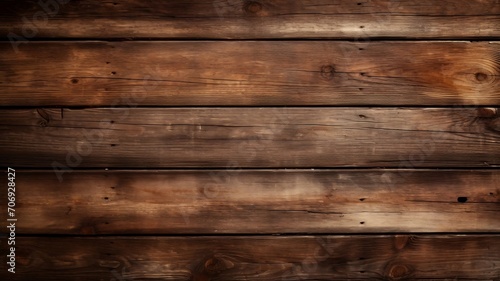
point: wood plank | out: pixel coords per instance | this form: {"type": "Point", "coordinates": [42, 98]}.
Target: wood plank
{"type": "Point", "coordinates": [250, 137]}
{"type": "Point", "coordinates": [268, 201]}
{"type": "Point", "coordinates": [314, 258]}
{"type": "Point", "coordinates": [250, 19]}
{"type": "Point", "coordinates": [200, 73]}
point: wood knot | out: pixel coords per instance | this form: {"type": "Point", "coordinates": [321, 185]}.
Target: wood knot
{"type": "Point", "coordinates": [400, 241]}
{"type": "Point", "coordinates": [481, 76]}
{"type": "Point", "coordinates": [398, 271]}
{"type": "Point", "coordinates": [215, 265]}
{"type": "Point", "coordinates": [328, 72]}
{"type": "Point", "coordinates": [487, 112]}
{"type": "Point", "coordinates": [252, 7]}
{"type": "Point", "coordinates": [45, 117]}
{"type": "Point", "coordinates": [43, 123]}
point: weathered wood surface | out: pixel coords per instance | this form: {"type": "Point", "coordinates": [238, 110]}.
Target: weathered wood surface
{"type": "Point", "coordinates": [401, 257]}
{"type": "Point", "coordinates": [251, 202]}
{"type": "Point", "coordinates": [250, 137]}
{"type": "Point", "coordinates": [201, 73]}
{"type": "Point", "coordinates": [250, 19]}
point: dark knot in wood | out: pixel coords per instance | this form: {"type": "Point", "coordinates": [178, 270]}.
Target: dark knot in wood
{"type": "Point", "coordinates": [216, 265]}
{"type": "Point", "coordinates": [400, 241]}
{"type": "Point", "coordinates": [487, 112]}
{"type": "Point", "coordinates": [252, 7]}
{"type": "Point", "coordinates": [328, 72]}
{"type": "Point", "coordinates": [398, 271]}
{"type": "Point", "coordinates": [45, 117]}
{"type": "Point", "coordinates": [481, 76]}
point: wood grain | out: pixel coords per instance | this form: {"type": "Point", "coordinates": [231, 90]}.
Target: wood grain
{"type": "Point", "coordinates": [238, 19]}
{"type": "Point", "coordinates": [250, 73]}
{"type": "Point", "coordinates": [250, 137]}
{"type": "Point", "coordinates": [314, 258]}
{"type": "Point", "coordinates": [253, 202]}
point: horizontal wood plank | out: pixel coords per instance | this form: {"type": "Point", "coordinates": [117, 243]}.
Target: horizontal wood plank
{"type": "Point", "coordinates": [250, 137]}
{"type": "Point", "coordinates": [314, 258]}
{"type": "Point", "coordinates": [200, 73]}
{"type": "Point", "coordinates": [269, 201]}
{"type": "Point", "coordinates": [25, 19]}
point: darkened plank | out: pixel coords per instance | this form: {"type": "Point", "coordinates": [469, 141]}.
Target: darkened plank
{"type": "Point", "coordinates": [401, 257]}
{"type": "Point", "coordinates": [250, 137]}
{"type": "Point", "coordinates": [272, 201]}
{"type": "Point", "coordinates": [250, 73]}
{"type": "Point", "coordinates": [25, 19]}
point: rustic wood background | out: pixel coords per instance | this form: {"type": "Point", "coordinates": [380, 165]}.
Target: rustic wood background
{"type": "Point", "coordinates": [251, 140]}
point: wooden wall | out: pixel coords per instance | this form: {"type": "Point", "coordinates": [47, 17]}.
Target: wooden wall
{"type": "Point", "coordinates": [251, 140]}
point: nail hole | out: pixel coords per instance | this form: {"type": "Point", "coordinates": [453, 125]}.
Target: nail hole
{"type": "Point", "coordinates": [113, 72]}
{"type": "Point", "coordinates": [106, 198]}
{"type": "Point", "coordinates": [360, 4]}
{"type": "Point", "coordinates": [106, 222]}
{"type": "Point", "coordinates": [362, 271]}
{"type": "Point", "coordinates": [361, 89]}
{"type": "Point", "coordinates": [74, 81]}
{"type": "Point", "coordinates": [361, 222]}
{"type": "Point", "coordinates": [462, 199]}
{"type": "Point", "coordinates": [113, 145]}
{"type": "Point", "coordinates": [362, 199]}
{"type": "Point", "coordinates": [491, 193]}
{"type": "Point", "coordinates": [362, 26]}
{"type": "Point", "coordinates": [361, 49]}
{"type": "Point", "coordinates": [362, 117]}
{"type": "Point", "coordinates": [107, 62]}
{"type": "Point", "coordinates": [112, 187]}
{"type": "Point", "coordinates": [362, 74]}
{"type": "Point", "coordinates": [112, 122]}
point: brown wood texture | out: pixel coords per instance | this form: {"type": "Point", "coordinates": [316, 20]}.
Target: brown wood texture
{"type": "Point", "coordinates": [253, 202]}
{"type": "Point", "coordinates": [401, 257]}
{"type": "Point", "coordinates": [272, 140]}
{"type": "Point", "coordinates": [24, 20]}
{"type": "Point", "coordinates": [250, 137]}
{"type": "Point", "coordinates": [250, 73]}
